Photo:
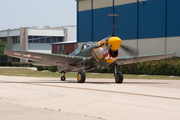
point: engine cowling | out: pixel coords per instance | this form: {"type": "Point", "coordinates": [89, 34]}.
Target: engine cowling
{"type": "Point", "coordinates": [110, 55]}
{"type": "Point", "coordinates": [105, 54]}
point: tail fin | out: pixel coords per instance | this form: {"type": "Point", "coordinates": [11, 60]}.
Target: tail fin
{"type": "Point", "coordinates": [60, 50]}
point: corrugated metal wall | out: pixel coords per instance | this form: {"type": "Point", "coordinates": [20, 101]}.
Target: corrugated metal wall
{"type": "Point", "coordinates": [101, 23]}
{"type": "Point", "coordinates": [123, 2]}
{"type": "Point", "coordinates": [127, 21]}
{"type": "Point", "coordinates": [84, 26]}
{"type": "Point", "coordinates": [3, 33]}
{"type": "Point", "coordinates": [84, 20]}
{"type": "Point", "coordinates": [14, 32]}
{"type": "Point", "coordinates": [102, 3]}
{"type": "Point", "coordinates": [151, 19]}
{"type": "Point", "coordinates": [173, 26]}
{"type": "Point", "coordinates": [48, 32]}
{"type": "Point", "coordinates": [39, 47]}
{"type": "Point", "coordinates": [154, 18]}
{"type": "Point", "coordinates": [71, 33]}
{"type": "Point", "coordinates": [10, 32]}
{"type": "Point", "coordinates": [84, 5]}
{"type": "Point", "coordinates": [173, 18]}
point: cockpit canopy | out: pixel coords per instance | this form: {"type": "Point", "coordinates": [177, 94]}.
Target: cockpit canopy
{"type": "Point", "coordinates": [82, 48]}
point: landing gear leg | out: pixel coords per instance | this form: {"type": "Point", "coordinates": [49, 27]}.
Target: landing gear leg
{"type": "Point", "coordinates": [63, 78]}
{"type": "Point", "coordinates": [118, 76]}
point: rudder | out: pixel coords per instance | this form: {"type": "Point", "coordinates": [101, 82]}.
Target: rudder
{"type": "Point", "coordinates": [60, 50]}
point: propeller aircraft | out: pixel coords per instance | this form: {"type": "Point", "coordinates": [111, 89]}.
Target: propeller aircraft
{"type": "Point", "coordinates": [89, 56]}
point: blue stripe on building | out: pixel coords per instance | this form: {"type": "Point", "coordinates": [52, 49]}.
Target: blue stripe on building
{"type": "Point", "coordinates": [153, 19]}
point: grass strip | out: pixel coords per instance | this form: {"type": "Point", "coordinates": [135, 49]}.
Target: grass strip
{"type": "Point", "coordinates": [32, 73]}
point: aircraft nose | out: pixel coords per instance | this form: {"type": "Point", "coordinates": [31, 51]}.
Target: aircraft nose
{"type": "Point", "coordinates": [114, 42]}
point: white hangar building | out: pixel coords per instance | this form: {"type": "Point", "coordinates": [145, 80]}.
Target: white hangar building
{"type": "Point", "coordinates": [35, 39]}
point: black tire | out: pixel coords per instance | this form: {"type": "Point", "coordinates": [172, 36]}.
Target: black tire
{"type": "Point", "coordinates": [81, 77]}
{"type": "Point", "coordinates": [63, 78]}
{"type": "Point", "coordinates": [119, 77]}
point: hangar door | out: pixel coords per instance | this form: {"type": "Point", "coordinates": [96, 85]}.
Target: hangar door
{"type": "Point", "coordinates": [151, 26]}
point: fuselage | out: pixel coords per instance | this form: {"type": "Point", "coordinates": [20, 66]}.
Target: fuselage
{"type": "Point", "coordinates": [104, 53]}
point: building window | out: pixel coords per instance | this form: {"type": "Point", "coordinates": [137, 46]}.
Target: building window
{"type": "Point", "coordinates": [36, 39]}
{"type": "Point", "coordinates": [16, 39]}
{"type": "Point", "coordinates": [30, 61]}
{"type": "Point", "coordinates": [4, 39]}
{"type": "Point", "coordinates": [48, 40]}
{"type": "Point", "coordinates": [3, 58]}
{"type": "Point", "coordinates": [43, 39]}
{"type": "Point", "coordinates": [30, 37]}
{"type": "Point", "coordinates": [54, 39]}
{"type": "Point", "coordinates": [29, 41]}
{"type": "Point", "coordinates": [60, 39]}
{"type": "Point", "coordinates": [16, 59]}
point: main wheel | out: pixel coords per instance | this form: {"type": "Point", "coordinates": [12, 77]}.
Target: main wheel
{"type": "Point", "coordinates": [119, 77]}
{"type": "Point", "coordinates": [81, 77]}
{"type": "Point", "coordinates": [63, 78]}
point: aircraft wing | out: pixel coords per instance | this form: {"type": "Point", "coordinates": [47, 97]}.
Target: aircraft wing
{"type": "Point", "coordinates": [142, 58]}
{"type": "Point", "coordinates": [46, 59]}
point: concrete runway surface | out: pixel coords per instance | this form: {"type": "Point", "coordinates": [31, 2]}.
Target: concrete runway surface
{"type": "Point", "coordinates": [37, 98]}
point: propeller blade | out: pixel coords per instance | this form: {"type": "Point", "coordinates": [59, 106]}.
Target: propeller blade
{"type": "Point", "coordinates": [114, 23]}
{"type": "Point", "coordinates": [130, 50]}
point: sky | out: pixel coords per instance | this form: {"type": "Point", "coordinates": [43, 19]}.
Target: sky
{"type": "Point", "coordinates": [26, 13]}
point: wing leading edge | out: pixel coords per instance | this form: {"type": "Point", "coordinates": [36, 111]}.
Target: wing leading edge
{"type": "Point", "coordinates": [142, 58]}
{"type": "Point", "coordinates": [46, 59]}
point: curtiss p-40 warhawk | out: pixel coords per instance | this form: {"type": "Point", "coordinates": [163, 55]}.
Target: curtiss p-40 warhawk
{"type": "Point", "coordinates": [89, 56]}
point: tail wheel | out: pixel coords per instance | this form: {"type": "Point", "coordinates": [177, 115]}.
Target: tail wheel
{"type": "Point", "coordinates": [63, 78]}
{"type": "Point", "coordinates": [119, 77]}
{"type": "Point", "coordinates": [81, 77]}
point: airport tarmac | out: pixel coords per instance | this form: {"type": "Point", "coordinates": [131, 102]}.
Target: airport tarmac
{"type": "Point", "coordinates": [37, 98]}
